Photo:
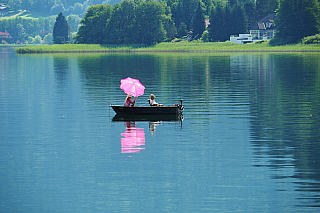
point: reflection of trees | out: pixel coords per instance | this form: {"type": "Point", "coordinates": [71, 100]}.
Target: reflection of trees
{"type": "Point", "coordinates": [102, 72]}
{"type": "Point", "coordinates": [204, 72]}
{"type": "Point", "coordinates": [283, 88]}
{"type": "Point", "coordinates": [61, 68]}
{"type": "Point", "coordinates": [281, 107]}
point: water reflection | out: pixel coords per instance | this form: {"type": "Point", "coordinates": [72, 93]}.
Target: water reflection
{"type": "Point", "coordinates": [280, 90]}
{"type": "Point", "coordinates": [61, 68]}
{"type": "Point", "coordinates": [152, 126]}
{"type": "Point", "coordinates": [133, 138]}
{"type": "Point", "coordinates": [248, 144]}
{"type": "Point", "coordinates": [283, 130]}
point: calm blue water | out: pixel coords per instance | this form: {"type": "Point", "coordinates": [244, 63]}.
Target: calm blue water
{"type": "Point", "coordinates": [248, 141]}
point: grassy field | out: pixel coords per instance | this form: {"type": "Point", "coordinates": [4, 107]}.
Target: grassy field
{"type": "Point", "coordinates": [170, 47]}
{"type": "Point", "coordinates": [23, 14]}
{"type": "Point", "coordinates": [14, 14]}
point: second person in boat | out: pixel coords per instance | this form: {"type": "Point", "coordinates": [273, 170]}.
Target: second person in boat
{"type": "Point", "coordinates": [153, 102]}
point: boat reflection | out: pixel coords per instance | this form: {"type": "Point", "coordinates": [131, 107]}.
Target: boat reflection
{"type": "Point", "coordinates": [133, 138]}
{"type": "Point", "coordinates": [152, 126]}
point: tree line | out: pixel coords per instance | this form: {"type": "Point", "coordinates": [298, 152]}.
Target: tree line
{"type": "Point", "coordinates": [129, 22]}
{"type": "Point", "coordinates": [23, 30]}
{"type": "Point", "coordinates": [149, 21]}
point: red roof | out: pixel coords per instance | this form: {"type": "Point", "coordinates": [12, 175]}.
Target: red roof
{"type": "Point", "coordinates": [5, 35]}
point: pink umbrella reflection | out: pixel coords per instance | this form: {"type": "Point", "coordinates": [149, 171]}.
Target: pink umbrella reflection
{"type": "Point", "coordinates": [133, 139]}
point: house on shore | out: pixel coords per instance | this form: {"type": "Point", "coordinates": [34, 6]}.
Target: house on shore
{"type": "Point", "coordinates": [264, 29]}
{"type": "Point", "coordinates": [5, 38]}
{"type": "Point", "coordinates": [5, 35]}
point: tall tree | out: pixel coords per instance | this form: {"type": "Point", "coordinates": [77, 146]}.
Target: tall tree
{"type": "Point", "coordinates": [297, 19]}
{"type": "Point", "coordinates": [93, 25]}
{"type": "Point", "coordinates": [272, 5]}
{"type": "Point", "coordinates": [261, 7]}
{"type": "Point", "coordinates": [182, 30]}
{"type": "Point", "coordinates": [198, 21]}
{"type": "Point", "coordinates": [120, 27]}
{"type": "Point", "coordinates": [264, 7]}
{"type": "Point", "coordinates": [217, 23]}
{"type": "Point", "coordinates": [138, 22]}
{"type": "Point", "coordinates": [238, 19]}
{"type": "Point", "coordinates": [60, 30]}
{"type": "Point", "coordinates": [250, 10]}
{"type": "Point", "coordinates": [169, 26]}
{"type": "Point", "coordinates": [182, 12]}
{"type": "Point", "coordinates": [148, 25]}
{"type": "Point", "coordinates": [21, 31]}
{"type": "Point", "coordinates": [228, 23]}
{"type": "Point", "coordinates": [208, 4]}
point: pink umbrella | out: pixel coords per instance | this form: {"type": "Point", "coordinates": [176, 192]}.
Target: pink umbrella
{"type": "Point", "coordinates": [132, 86]}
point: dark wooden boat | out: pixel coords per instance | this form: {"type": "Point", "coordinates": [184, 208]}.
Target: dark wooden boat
{"type": "Point", "coordinates": [151, 110]}
{"type": "Point", "coordinates": [148, 117]}
{"type": "Point", "coordinates": [147, 109]}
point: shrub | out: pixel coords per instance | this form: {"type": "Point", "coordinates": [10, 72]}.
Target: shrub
{"type": "Point", "coordinates": [30, 40]}
{"type": "Point", "coordinates": [205, 36]}
{"type": "Point", "coordinates": [263, 42]}
{"type": "Point", "coordinates": [278, 41]}
{"type": "Point", "coordinates": [315, 39]}
{"type": "Point", "coordinates": [176, 40]}
{"type": "Point", "coordinates": [48, 39]}
{"type": "Point", "coordinates": [37, 40]}
{"type": "Point", "coordinates": [259, 42]}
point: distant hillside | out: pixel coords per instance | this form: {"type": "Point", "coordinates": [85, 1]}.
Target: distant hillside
{"type": "Point", "coordinates": [47, 8]}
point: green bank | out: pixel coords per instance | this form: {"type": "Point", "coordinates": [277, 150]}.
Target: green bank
{"type": "Point", "coordinates": [171, 47]}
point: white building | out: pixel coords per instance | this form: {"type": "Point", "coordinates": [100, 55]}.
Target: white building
{"type": "Point", "coordinates": [264, 29]}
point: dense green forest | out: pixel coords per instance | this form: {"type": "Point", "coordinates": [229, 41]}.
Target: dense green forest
{"type": "Point", "coordinates": [53, 7]}
{"type": "Point", "coordinates": [150, 21]}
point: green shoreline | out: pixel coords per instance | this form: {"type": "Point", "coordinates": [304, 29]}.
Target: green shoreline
{"type": "Point", "coordinates": [168, 47]}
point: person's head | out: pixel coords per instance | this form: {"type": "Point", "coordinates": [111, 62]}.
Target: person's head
{"type": "Point", "coordinates": [128, 96]}
{"type": "Point", "coordinates": [152, 96]}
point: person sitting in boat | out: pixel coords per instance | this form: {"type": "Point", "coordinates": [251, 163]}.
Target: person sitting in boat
{"type": "Point", "coordinates": [152, 101]}
{"type": "Point", "coordinates": [128, 102]}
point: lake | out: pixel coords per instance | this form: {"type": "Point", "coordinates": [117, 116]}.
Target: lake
{"type": "Point", "coordinates": [248, 141]}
